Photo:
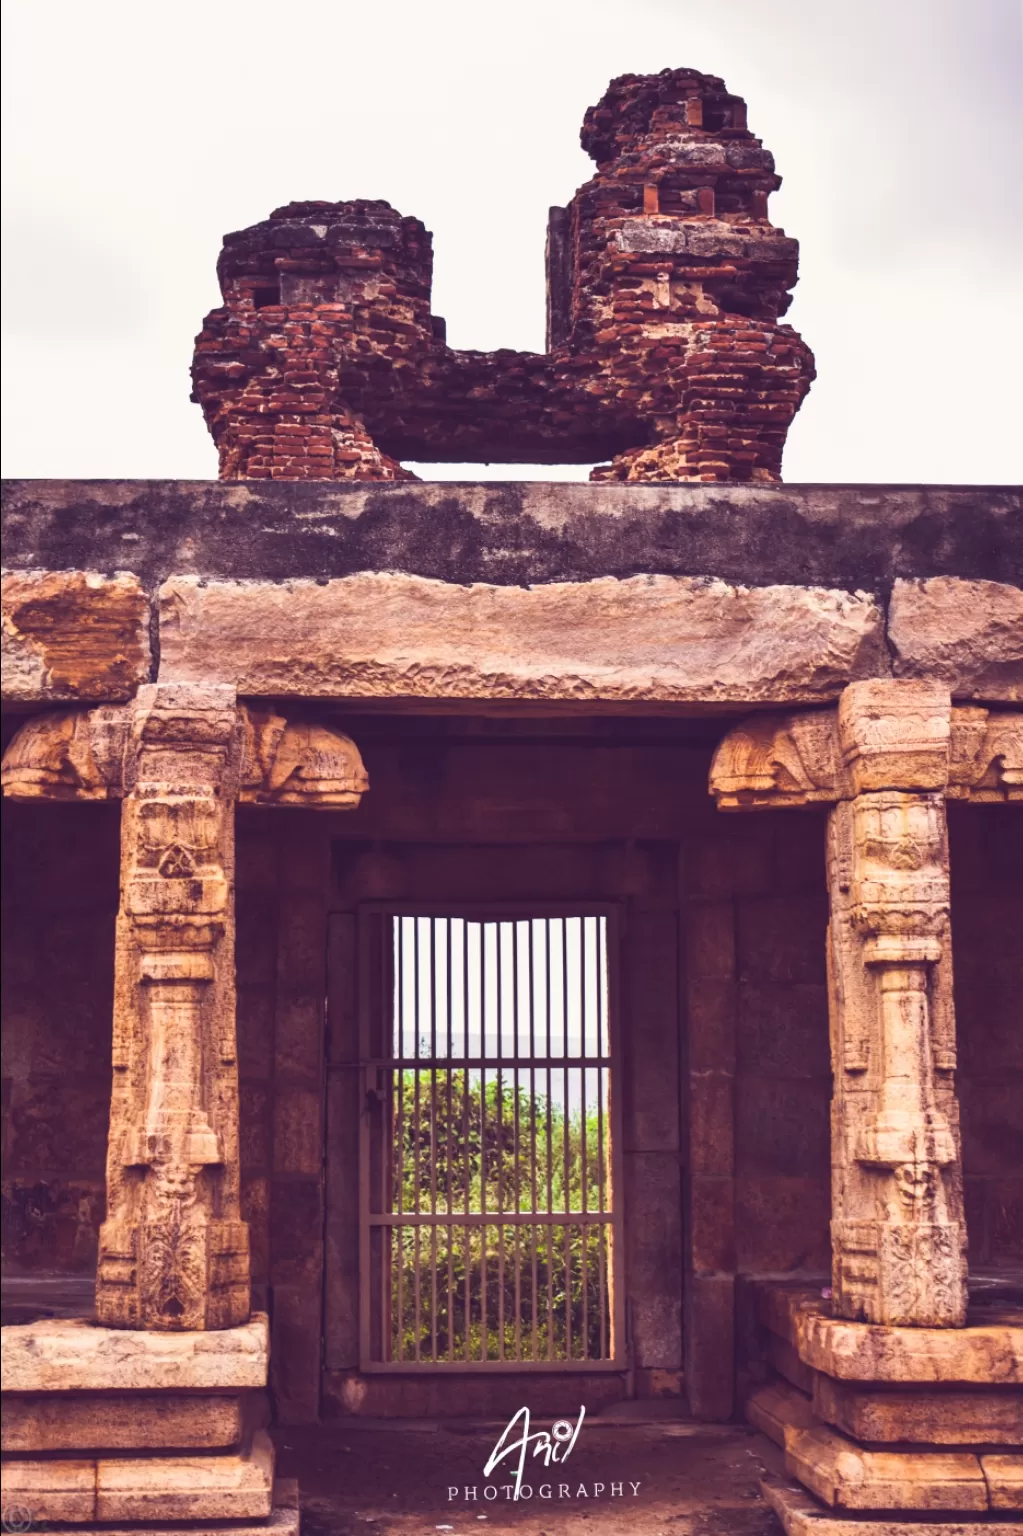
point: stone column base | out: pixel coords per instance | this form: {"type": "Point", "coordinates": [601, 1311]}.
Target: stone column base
{"type": "Point", "coordinates": [802, 1515]}
{"type": "Point", "coordinates": [123, 1427]}
{"type": "Point", "coordinates": [902, 1430]}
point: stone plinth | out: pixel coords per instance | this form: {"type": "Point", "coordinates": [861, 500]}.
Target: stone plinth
{"type": "Point", "coordinates": [943, 1399]}
{"type": "Point", "coordinates": [802, 1515]}
{"type": "Point", "coordinates": [70, 1355]}
{"type": "Point", "coordinates": [214, 1487]}
{"type": "Point", "coordinates": [96, 1421]}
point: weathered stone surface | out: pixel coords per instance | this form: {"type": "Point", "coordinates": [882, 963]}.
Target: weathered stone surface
{"type": "Point", "coordinates": [944, 1417]}
{"type": "Point", "coordinates": [988, 1354]}
{"type": "Point", "coordinates": [73, 635]}
{"type": "Point", "coordinates": [221, 1487]}
{"type": "Point", "coordinates": [284, 1520]}
{"type": "Point", "coordinates": [985, 1356]}
{"type": "Point", "coordinates": [802, 1515]}
{"type": "Point", "coordinates": [1005, 1481]}
{"type": "Point", "coordinates": [845, 1476]}
{"type": "Point", "coordinates": [224, 1487]}
{"type": "Point", "coordinates": [49, 1490]}
{"type": "Point", "coordinates": [655, 639]}
{"type": "Point", "coordinates": [965, 634]}
{"type": "Point", "coordinates": [516, 533]}
{"type": "Point", "coordinates": [63, 1421]}
{"type": "Point", "coordinates": [69, 1355]}
{"type": "Point", "coordinates": [774, 1408]}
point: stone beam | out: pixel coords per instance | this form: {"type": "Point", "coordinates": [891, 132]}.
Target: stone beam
{"type": "Point", "coordinates": [173, 1249]}
{"type": "Point", "coordinates": [73, 636]}
{"type": "Point", "coordinates": [886, 760]}
{"type": "Point", "coordinates": [647, 640]}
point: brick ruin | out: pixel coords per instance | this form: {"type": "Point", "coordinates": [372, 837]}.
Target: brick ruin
{"type": "Point", "coordinates": [666, 284]}
{"type": "Point", "coordinates": [769, 736]}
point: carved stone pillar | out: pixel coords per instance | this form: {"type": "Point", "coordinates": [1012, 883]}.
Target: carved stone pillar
{"type": "Point", "coordinates": [886, 760]}
{"type": "Point", "coordinates": [174, 1250]}
{"type": "Point", "coordinates": [898, 1235]}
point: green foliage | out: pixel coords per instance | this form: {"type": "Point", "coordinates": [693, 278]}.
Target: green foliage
{"type": "Point", "coordinates": [497, 1289]}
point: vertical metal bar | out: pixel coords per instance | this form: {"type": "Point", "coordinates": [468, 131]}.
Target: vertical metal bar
{"type": "Point", "coordinates": [549, 1227]}
{"type": "Point", "coordinates": [417, 1130]}
{"type": "Point", "coordinates": [452, 1143]}
{"type": "Point", "coordinates": [499, 1136]}
{"type": "Point", "coordinates": [532, 1128]}
{"type": "Point", "coordinates": [516, 1150]}
{"type": "Point", "coordinates": [583, 1135]}
{"type": "Point", "coordinates": [483, 1144]}
{"type": "Point", "coordinates": [434, 1148]}
{"type": "Point", "coordinates": [466, 1235]}
{"type": "Point", "coordinates": [565, 1137]}
{"type": "Point", "coordinates": [398, 1133]}
{"type": "Point", "coordinates": [601, 1004]}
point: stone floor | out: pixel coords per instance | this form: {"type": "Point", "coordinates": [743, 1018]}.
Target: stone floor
{"type": "Point", "coordinates": [362, 1478]}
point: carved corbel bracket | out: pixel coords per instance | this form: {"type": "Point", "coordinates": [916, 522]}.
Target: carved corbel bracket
{"type": "Point", "coordinates": [68, 754]}
{"type": "Point", "coordinates": [784, 760]}
{"type": "Point", "coordinates": [299, 763]}
{"type": "Point", "coordinates": [81, 755]}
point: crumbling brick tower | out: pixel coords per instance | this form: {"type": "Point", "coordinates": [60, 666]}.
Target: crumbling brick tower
{"type": "Point", "coordinates": [665, 280]}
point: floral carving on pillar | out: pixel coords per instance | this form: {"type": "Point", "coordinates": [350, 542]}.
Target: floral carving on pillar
{"type": "Point", "coordinates": [898, 1235]}
{"type": "Point", "coordinates": [174, 1251]}
{"type": "Point", "coordinates": [886, 760]}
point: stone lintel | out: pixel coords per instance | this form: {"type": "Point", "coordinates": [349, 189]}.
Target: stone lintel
{"type": "Point", "coordinates": [73, 636]}
{"type": "Point", "coordinates": [645, 640]}
{"type": "Point", "coordinates": [71, 1355]}
{"type": "Point", "coordinates": [965, 634]}
{"type": "Point", "coordinates": [222, 1487]}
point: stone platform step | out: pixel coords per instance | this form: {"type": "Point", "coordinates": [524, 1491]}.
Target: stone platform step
{"type": "Point", "coordinates": [284, 1520]}
{"type": "Point", "coordinates": [82, 1490]}
{"type": "Point", "coordinates": [846, 1476]}
{"type": "Point", "coordinates": [801, 1514]}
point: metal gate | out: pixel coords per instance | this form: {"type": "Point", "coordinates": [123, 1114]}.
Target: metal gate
{"type": "Point", "coordinates": [490, 1227]}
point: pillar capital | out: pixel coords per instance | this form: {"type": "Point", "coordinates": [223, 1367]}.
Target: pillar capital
{"type": "Point", "coordinates": [870, 740]}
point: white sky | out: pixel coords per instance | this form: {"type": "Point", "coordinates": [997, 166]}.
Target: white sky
{"type": "Point", "coordinates": [138, 133]}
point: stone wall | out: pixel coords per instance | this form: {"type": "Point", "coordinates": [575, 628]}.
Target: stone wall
{"type": "Point", "coordinates": [60, 890]}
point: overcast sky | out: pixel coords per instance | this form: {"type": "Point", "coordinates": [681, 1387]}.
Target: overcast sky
{"type": "Point", "coordinates": [138, 133]}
